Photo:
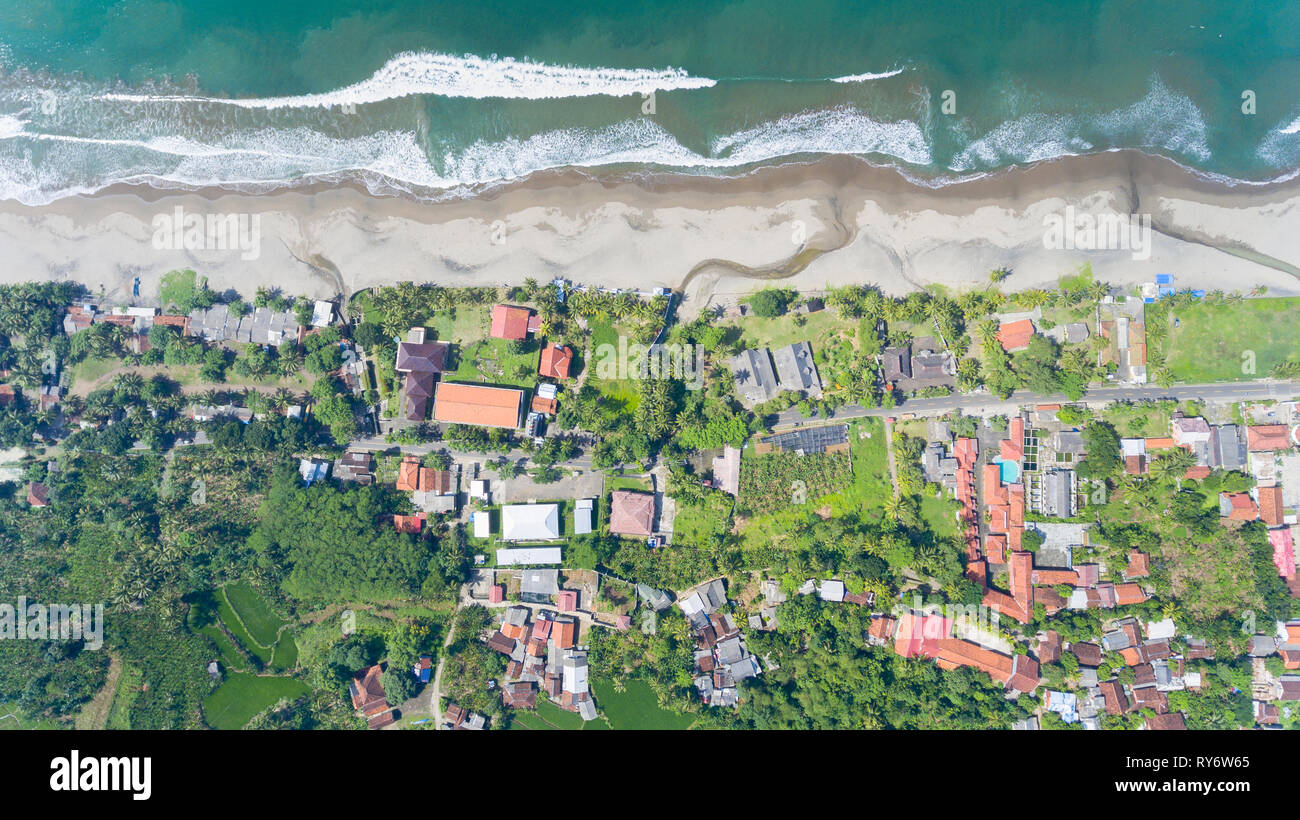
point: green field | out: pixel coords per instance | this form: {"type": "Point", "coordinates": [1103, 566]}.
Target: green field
{"type": "Point", "coordinates": [549, 717]}
{"type": "Point", "coordinates": [636, 707]}
{"type": "Point", "coordinates": [128, 688]}
{"type": "Point", "coordinates": [250, 619]}
{"type": "Point", "coordinates": [1212, 337]}
{"type": "Point", "coordinates": [242, 696]}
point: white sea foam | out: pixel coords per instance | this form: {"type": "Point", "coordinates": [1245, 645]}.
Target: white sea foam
{"type": "Point", "coordinates": [862, 78]}
{"type": "Point", "coordinates": [469, 76]}
{"type": "Point", "coordinates": [1162, 119]}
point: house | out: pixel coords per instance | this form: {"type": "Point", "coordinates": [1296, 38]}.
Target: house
{"type": "Point", "coordinates": [555, 362]}
{"type": "Point", "coordinates": [408, 523]}
{"type": "Point", "coordinates": [38, 495]}
{"type": "Point", "coordinates": [1270, 505]}
{"type": "Point", "coordinates": [1190, 431]}
{"type": "Point", "coordinates": [896, 363]}
{"type": "Point", "coordinates": [795, 370]}
{"type": "Point", "coordinates": [1015, 336]}
{"type": "Point", "coordinates": [656, 599]}
{"type": "Point", "coordinates": [322, 313]}
{"type": "Point", "coordinates": [1117, 702]}
{"type": "Point", "coordinates": [539, 586]}
{"type": "Point", "coordinates": [510, 322]}
{"type": "Point", "coordinates": [519, 695]}
{"type": "Point", "coordinates": [1227, 447]}
{"type": "Point", "coordinates": [421, 362]}
{"type": "Point", "coordinates": [1266, 437]}
{"type": "Point", "coordinates": [530, 522]}
{"type": "Point", "coordinates": [1237, 507]}
{"type": "Point", "coordinates": [754, 377]}
{"type": "Point", "coordinates": [355, 465]}
{"type": "Point", "coordinates": [482, 524]}
{"type": "Point", "coordinates": [583, 516]}
{"type": "Point", "coordinates": [479, 405]}
{"type": "Point", "coordinates": [313, 470]}
{"type": "Point", "coordinates": [631, 513]}
{"type": "Point", "coordinates": [567, 600]}
{"type": "Point", "coordinates": [726, 471]}
{"type": "Point", "coordinates": [368, 697]}
{"type": "Point", "coordinates": [1139, 565]}
{"type": "Point", "coordinates": [1172, 721]}
{"type": "Point", "coordinates": [530, 556]}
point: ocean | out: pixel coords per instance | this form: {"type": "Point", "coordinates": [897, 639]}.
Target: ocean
{"type": "Point", "coordinates": [440, 99]}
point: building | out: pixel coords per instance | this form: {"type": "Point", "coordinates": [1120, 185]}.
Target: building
{"type": "Point", "coordinates": [726, 471]}
{"type": "Point", "coordinates": [322, 313]}
{"type": "Point", "coordinates": [555, 362]}
{"type": "Point", "coordinates": [368, 697]}
{"type": "Point", "coordinates": [1015, 336]}
{"type": "Point", "coordinates": [530, 556]}
{"type": "Point", "coordinates": [421, 362]}
{"type": "Point", "coordinates": [631, 513]}
{"type": "Point", "coordinates": [795, 370]}
{"type": "Point", "coordinates": [510, 322]}
{"type": "Point", "coordinates": [1237, 507]}
{"type": "Point", "coordinates": [1227, 447]}
{"type": "Point", "coordinates": [896, 363]}
{"type": "Point", "coordinates": [832, 438]}
{"type": "Point", "coordinates": [1059, 490]}
{"type": "Point", "coordinates": [583, 513]}
{"type": "Point", "coordinates": [479, 405]}
{"type": "Point", "coordinates": [38, 495]}
{"type": "Point", "coordinates": [530, 522]}
{"type": "Point", "coordinates": [482, 524]}
{"type": "Point", "coordinates": [1270, 506]}
{"type": "Point", "coordinates": [539, 586]}
{"type": "Point", "coordinates": [755, 379]}
{"type": "Point", "coordinates": [1265, 437]}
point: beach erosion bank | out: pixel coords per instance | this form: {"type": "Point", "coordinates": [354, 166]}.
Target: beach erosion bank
{"type": "Point", "coordinates": [809, 225]}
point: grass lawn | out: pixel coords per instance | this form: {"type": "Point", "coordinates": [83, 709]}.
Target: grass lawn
{"type": "Point", "coordinates": [1139, 420]}
{"type": "Point", "coordinates": [636, 707]}
{"type": "Point", "coordinates": [242, 696]}
{"type": "Point", "coordinates": [698, 525]}
{"type": "Point", "coordinates": [88, 370]}
{"type": "Point", "coordinates": [491, 361]}
{"type": "Point", "coordinates": [460, 325]}
{"type": "Point", "coordinates": [622, 393]}
{"type": "Point", "coordinates": [817, 329]}
{"type": "Point", "coordinates": [939, 514]}
{"type": "Point", "coordinates": [627, 482]}
{"type": "Point", "coordinates": [1210, 339]}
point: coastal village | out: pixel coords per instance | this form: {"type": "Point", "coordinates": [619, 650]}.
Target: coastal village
{"type": "Point", "coordinates": [442, 415]}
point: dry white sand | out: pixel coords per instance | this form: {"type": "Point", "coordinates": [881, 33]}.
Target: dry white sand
{"type": "Point", "coordinates": [717, 236]}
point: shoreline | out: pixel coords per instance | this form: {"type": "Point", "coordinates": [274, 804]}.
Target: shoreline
{"type": "Point", "coordinates": [866, 223]}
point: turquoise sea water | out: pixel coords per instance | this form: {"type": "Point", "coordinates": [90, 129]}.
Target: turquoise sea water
{"type": "Point", "coordinates": [430, 96]}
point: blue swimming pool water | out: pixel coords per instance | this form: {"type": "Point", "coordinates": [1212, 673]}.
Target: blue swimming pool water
{"type": "Point", "coordinates": [1010, 471]}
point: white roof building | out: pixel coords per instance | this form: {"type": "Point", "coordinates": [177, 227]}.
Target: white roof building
{"type": "Point", "coordinates": [530, 522]}
{"type": "Point", "coordinates": [582, 513]}
{"type": "Point", "coordinates": [528, 556]}
{"type": "Point", "coordinates": [322, 313]}
{"type": "Point", "coordinates": [482, 524]}
{"type": "Point", "coordinates": [832, 591]}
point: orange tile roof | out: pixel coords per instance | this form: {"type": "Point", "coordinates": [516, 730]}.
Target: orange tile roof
{"type": "Point", "coordinates": [1015, 335]}
{"type": "Point", "coordinates": [1139, 565]}
{"type": "Point", "coordinates": [996, 547]}
{"type": "Point", "coordinates": [541, 405]}
{"type": "Point", "coordinates": [555, 361]}
{"type": "Point", "coordinates": [1243, 507]}
{"type": "Point", "coordinates": [1053, 577]}
{"type": "Point", "coordinates": [475, 404]}
{"type": "Point", "coordinates": [1126, 594]}
{"type": "Point", "coordinates": [407, 523]}
{"type": "Point", "coordinates": [564, 634]}
{"type": "Point", "coordinates": [1160, 443]}
{"type": "Point", "coordinates": [408, 475]}
{"type": "Point", "coordinates": [1197, 473]}
{"type": "Point", "coordinates": [1270, 506]}
{"type": "Point", "coordinates": [1268, 437]}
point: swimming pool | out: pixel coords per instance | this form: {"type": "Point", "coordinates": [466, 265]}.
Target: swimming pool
{"type": "Point", "coordinates": [1010, 470]}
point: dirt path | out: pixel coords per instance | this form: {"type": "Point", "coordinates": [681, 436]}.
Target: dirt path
{"type": "Point", "coordinates": [435, 693]}
{"type": "Point", "coordinates": [95, 715]}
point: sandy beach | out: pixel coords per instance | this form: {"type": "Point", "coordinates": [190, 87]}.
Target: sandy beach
{"type": "Point", "coordinates": [712, 237]}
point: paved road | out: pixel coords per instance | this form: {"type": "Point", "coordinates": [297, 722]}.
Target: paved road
{"type": "Point", "coordinates": [987, 403]}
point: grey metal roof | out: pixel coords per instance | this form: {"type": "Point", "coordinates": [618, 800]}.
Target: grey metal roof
{"type": "Point", "coordinates": [810, 439]}
{"type": "Point", "coordinates": [755, 378]}
{"type": "Point", "coordinates": [795, 369]}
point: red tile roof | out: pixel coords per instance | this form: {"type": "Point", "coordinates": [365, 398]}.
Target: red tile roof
{"type": "Point", "coordinates": [1015, 335]}
{"type": "Point", "coordinates": [510, 322]}
{"type": "Point", "coordinates": [408, 475]}
{"type": "Point", "coordinates": [1197, 473]}
{"type": "Point", "coordinates": [1243, 507]}
{"type": "Point", "coordinates": [555, 362]}
{"type": "Point", "coordinates": [1139, 565]}
{"type": "Point", "coordinates": [38, 495]}
{"type": "Point", "coordinates": [541, 405]}
{"type": "Point", "coordinates": [407, 523]}
{"type": "Point", "coordinates": [1268, 437]}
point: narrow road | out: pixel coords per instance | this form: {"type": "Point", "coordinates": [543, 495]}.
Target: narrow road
{"type": "Point", "coordinates": [1243, 391]}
